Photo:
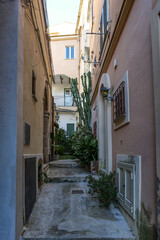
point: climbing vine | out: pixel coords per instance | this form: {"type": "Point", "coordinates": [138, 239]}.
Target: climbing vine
{"type": "Point", "coordinates": [83, 100]}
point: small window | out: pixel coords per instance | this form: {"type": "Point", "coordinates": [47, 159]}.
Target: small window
{"type": "Point", "coordinates": [119, 102]}
{"type": "Point", "coordinates": [126, 187]}
{"type": "Point", "coordinates": [95, 129]}
{"type": "Point", "coordinates": [103, 23]}
{"type": "Point", "coordinates": [70, 53]}
{"type": "Point", "coordinates": [33, 83]}
{"type": "Point", "coordinates": [27, 134]}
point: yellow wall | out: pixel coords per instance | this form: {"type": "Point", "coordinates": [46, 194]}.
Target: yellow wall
{"type": "Point", "coordinates": [34, 60]}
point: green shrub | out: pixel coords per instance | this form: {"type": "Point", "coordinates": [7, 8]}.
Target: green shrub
{"type": "Point", "coordinates": [84, 146]}
{"type": "Point", "coordinates": [61, 150]}
{"type": "Point", "coordinates": [104, 187]}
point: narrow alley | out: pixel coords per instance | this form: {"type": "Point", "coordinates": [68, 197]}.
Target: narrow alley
{"type": "Point", "coordinates": [65, 210]}
{"type": "Point", "coordinates": [79, 119]}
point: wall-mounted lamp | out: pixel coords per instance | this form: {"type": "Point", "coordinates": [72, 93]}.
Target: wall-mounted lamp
{"type": "Point", "coordinates": [105, 94]}
{"type": "Point", "coordinates": [57, 117]}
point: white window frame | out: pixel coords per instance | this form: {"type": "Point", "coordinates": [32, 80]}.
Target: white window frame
{"type": "Point", "coordinates": [69, 52]}
{"type": "Point", "coordinates": [70, 98]}
{"type": "Point", "coordinates": [128, 205]}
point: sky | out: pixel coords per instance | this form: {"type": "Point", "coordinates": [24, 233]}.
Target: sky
{"type": "Point", "coordinates": [62, 10]}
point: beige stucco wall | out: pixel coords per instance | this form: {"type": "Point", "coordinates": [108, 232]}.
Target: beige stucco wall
{"type": "Point", "coordinates": [33, 60]}
{"type": "Point", "coordinates": [133, 54]}
{"type": "Point", "coordinates": [62, 65]}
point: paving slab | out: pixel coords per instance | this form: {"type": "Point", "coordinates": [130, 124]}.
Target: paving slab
{"type": "Point", "coordinates": [67, 211]}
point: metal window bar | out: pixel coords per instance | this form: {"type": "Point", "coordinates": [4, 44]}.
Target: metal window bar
{"type": "Point", "coordinates": [119, 102]}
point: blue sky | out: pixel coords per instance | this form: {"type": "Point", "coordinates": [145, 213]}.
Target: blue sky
{"type": "Point", "coordinates": [62, 10]}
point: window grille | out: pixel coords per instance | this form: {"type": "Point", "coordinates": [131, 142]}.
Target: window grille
{"type": "Point", "coordinates": [95, 129]}
{"type": "Point", "coordinates": [119, 102]}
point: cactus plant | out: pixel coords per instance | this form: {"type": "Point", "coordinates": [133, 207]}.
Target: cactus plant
{"type": "Point", "coordinates": [83, 100]}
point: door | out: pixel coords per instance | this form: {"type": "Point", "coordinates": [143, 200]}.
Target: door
{"type": "Point", "coordinates": [70, 129]}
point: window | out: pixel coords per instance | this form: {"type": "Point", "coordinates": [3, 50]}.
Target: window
{"type": "Point", "coordinates": [27, 134]}
{"type": "Point", "coordinates": [70, 53]}
{"type": "Point", "coordinates": [95, 129]}
{"type": "Point", "coordinates": [121, 113]}
{"type": "Point", "coordinates": [119, 102]}
{"type": "Point", "coordinates": [103, 28]}
{"type": "Point", "coordinates": [68, 98]}
{"type": "Point", "coordinates": [34, 85]}
{"type": "Point", "coordinates": [126, 187]}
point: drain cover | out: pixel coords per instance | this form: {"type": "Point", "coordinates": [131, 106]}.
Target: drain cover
{"type": "Point", "coordinates": [77, 192]}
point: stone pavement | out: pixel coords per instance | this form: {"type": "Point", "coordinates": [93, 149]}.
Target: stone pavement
{"type": "Point", "coordinates": [65, 211]}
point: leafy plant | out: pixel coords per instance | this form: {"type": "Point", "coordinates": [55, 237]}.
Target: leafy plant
{"type": "Point", "coordinates": [83, 100]}
{"type": "Point", "coordinates": [42, 176]}
{"type": "Point", "coordinates": [61, 141]}
{"type": "Point", "coordinates": [60, 136]}
{"type": "Point", "coordinates": [104, 187]}
{"type": "Point", "coordinates": [61, 150]}
{"type": "Point", "coordinates": [84, 146]}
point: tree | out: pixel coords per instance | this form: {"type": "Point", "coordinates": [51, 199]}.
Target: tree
{"type": "Point", "coordinates": [83, 100]}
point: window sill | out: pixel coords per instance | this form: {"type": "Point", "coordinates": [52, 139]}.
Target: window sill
{"type": "Point", "coordinates": [34, 97]}
{"type": "Point", "coordinates": [70, 59]}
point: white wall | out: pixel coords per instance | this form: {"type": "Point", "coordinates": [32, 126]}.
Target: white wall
{"type": "Point", "coordinates": [67, 118]}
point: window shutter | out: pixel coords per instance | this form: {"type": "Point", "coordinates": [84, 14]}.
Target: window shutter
{"type": "Point", "coordinates": [101, 40]}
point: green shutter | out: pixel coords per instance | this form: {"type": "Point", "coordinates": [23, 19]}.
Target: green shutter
{"type": "Point", "coordinates": [70, 129]}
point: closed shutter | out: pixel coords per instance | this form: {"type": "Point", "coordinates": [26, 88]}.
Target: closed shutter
{"type": "Point", "coordinates": [70, 129]}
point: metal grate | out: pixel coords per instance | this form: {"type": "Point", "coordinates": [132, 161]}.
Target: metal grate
{"type": "Point", "coordinates": [119, 102]}
{"type": "Point", "coordinates": [77, 192]}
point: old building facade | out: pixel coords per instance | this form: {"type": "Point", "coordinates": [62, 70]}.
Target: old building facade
{"type": "Point", "coordinates": [65, 51]}
{"type": "Point", "coordinates": [155, 27]}
{"type": "Point", "coordinates": [26, 73]}
{"type": "Point", "coordinates": [123, 104]}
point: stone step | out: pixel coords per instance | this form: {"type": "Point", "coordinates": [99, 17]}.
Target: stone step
{"type": "Point", "coordinates": [69, 163]}
{"type": "Point", "coordinates": [66, 179]}
{"type": "Point", "coordinates": [81, 238]}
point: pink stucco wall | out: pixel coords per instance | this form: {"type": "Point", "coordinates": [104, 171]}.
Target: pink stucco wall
{"type": "Point", "coordinates": [133, 53]}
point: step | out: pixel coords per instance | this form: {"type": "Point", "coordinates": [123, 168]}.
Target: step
{"type": "Point", "coordinates": [69, 163]}
{"type": "Point", "coordinates": [66, 179]}
{"type": "Point", "coordinates": [81, 238]}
